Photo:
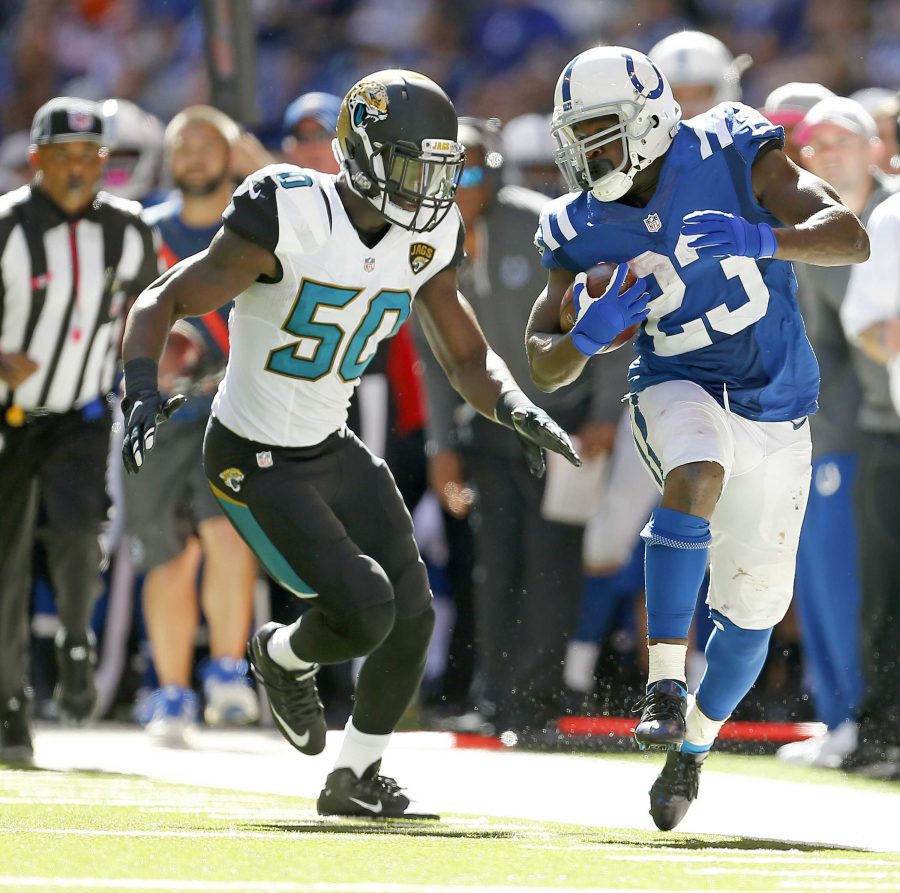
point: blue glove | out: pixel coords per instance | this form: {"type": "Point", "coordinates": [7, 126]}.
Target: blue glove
{"type": "Point", "coordinates": [599, 320]}
{"type": "Point", "coordinates": [717, 234]}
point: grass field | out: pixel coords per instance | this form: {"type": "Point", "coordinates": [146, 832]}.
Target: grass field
{"type": "Point", "coordinates": [90, 831]}
{"type": "Point", "coordinates": [75, 830]}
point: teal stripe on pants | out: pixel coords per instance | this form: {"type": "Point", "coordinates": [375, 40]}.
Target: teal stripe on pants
{"type": "Point", "coordinates": [264, 549]}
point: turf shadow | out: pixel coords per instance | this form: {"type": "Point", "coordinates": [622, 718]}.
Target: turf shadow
{"type": "Point", "coordinates": [400, 827]}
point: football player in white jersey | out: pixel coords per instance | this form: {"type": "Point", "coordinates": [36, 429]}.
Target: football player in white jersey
{"type": "Point", "coordinates": [322, 268]}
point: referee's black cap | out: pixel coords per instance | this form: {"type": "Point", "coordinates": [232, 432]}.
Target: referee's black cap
{"type": "Point", "coordinates": [67, 119]}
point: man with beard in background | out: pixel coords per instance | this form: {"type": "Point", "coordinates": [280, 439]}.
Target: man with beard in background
{"type": "Point", "coordinates": [173, 521]}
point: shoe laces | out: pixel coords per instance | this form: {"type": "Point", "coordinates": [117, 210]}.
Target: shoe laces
{"type": "Point", "coordinates": [299, 694]}
{"type": "Point", "coordinates": [380, 786]}
{"type": "Point", "coordinates": [658, 704]}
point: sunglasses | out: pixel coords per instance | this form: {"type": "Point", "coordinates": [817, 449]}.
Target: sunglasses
{"type": "Point", "coordinates": [471, 176]}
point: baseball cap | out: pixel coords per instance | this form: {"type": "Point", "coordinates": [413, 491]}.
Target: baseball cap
{"type": "Point", "coordinates": [67, 119]}
{"type": "Point", "coordinates": [322, 107]}
{"type": "Point", "coordinates": [842, 112]}
{"type": "Point", "coordinates": [788, 104]}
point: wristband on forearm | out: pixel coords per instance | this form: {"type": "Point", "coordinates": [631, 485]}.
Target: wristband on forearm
{"type": "Point", "coordinates": [768, 241]}
{"type": "Point", "coordinates": [141, 376]}
{"type": "Point", "coordinates": [509, 401]}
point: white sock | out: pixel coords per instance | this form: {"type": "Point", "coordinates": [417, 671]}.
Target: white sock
{"type": "Point", "coordinates": [279, 648]}
{"type": "Point", "coordinates": [360, 750]}
{"type": "Point", "coordinates": [699, 729]}
{"type": "Point", "coordinates": [667, 662]}
{"type": "Point", "coordinates": [578, 670]}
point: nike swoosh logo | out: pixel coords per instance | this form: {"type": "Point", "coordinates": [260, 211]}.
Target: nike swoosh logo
{"type": "Point", "coordinates": [299, 740]}
{"type": "Point", "coordinates": [798, 425]}
{"type": "Point", "coordinates": [254, 189]}
{"type": "Point", "coordinates": [372, 807]}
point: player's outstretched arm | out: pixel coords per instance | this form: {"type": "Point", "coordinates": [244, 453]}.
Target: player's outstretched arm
{"type": "Point", "coordinates": [195, 286]}
{"type": "Point", "coordinates": [553, 359]}
{"type": "Point", "coordinates": [479, 375]}
{"type": "Point", "coordinates": [819, 228]}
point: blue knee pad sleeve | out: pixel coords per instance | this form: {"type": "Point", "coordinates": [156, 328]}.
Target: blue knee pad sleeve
{"type": "Point", "coordinates": [676, 554]}
{"type": "Point", "coordinates": [734, 659]}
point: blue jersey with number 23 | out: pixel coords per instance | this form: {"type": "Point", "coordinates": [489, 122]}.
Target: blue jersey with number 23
{"type": "Point", "coordinates": [731, 324]}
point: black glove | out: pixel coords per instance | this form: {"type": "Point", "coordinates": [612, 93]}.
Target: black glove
{"type": "Point", "coordinates": [144, 409]}
{"type": "Point", "coordinates": [535, 429]}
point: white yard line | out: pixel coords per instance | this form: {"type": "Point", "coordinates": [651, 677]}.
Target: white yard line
{"type": "Point", "coordinates": [287, 886]}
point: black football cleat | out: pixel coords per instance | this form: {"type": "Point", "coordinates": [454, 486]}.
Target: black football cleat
{"type": "Point", "coordinates": [76, 661]}
{"type": "Point", "coordinates": [661, 726]}
{"type": "Point", "coordinates": [15, 732]}
{"type": "Point", "coordinates": [293, 697]}
{"type": "Point", "coordinates": [372, 796]}
{"type": "Point", "coordinates": [675, 788]}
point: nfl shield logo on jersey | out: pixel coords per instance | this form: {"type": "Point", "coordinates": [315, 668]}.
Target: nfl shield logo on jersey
{"type": "Point", "coordinates": [369, 264]}
{"type": "Point", "coordinates": [264, 459]}
{"type": "Point", "coordinates": [653, 223]}
{"type": "Point", "coordinates": [420, 256]}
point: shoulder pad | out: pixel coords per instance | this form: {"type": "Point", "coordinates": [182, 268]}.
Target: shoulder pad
{"type": "Point", "coordinates": [733, 124]}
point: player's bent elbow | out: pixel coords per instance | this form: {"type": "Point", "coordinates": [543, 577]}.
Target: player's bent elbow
{"type": "Point", "coordinates": [861, 246]}
{"type": "Point", "coordinates": [545, 377]}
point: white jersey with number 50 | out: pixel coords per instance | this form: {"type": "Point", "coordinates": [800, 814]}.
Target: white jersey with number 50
{"type": "Point", "coordinates": [301, 340]}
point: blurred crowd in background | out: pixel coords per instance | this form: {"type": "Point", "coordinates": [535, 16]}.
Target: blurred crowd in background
{"type": "Point", "coordinates": [497, 60]}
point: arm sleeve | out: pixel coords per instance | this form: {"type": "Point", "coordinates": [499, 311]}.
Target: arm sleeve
{"type": "Point", "coordinates": [253, 211]}
{"type": "Point", "coordinates": [873, 294]}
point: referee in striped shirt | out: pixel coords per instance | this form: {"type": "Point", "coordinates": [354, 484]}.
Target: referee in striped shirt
{"type": "Point", "coordinates": [70, 259]}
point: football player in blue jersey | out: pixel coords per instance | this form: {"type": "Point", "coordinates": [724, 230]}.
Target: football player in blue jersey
{"type": "Point", "coordinates": [708, 215]}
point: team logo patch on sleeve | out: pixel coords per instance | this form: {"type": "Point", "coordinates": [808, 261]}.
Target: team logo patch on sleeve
{"type": "Point", "coordinates": [420, 255]}
{"type": "Point", "coordinates": [232, 478]}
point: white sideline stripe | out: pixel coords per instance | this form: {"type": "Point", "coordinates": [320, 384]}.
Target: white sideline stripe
{"type": "Point", "coordinates": [731, 856]}
{"type": "Point", "coordinates": [95, 832]}
{"type": "Point", "coordinates": [796, 872]}
{"type": "Point", "coordinates": [287, 886]}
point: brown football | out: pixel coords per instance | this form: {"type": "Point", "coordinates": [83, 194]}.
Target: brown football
{"type": "Point", "coordinates": [598, 277]}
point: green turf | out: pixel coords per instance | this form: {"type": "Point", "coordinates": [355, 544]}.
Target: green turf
{"type": "Point", "coordinates": [71, 826]}
{"type": "Point", "coordinates": [778, 770]}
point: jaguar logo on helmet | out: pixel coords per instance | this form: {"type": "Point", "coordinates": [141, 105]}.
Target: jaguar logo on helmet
{"type": "Point", "coordinates": [420, 256]}
{"type": "Point", "coordinates": [368, 101]}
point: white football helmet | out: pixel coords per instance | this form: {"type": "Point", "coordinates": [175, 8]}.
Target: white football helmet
{"type": "Point", "coordinates": [695, 58]}
{"type": "Point", "coordinates": [606, 81]}
{"type": "Point", "coordinates": [135, 141]}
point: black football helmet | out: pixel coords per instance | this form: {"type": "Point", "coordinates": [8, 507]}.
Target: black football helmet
{"type": "Point", "coordinates": [397, 141]}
